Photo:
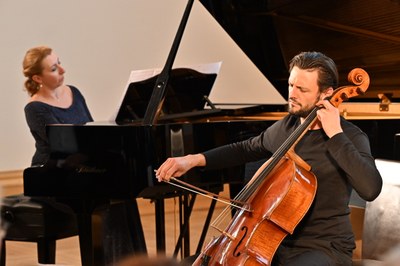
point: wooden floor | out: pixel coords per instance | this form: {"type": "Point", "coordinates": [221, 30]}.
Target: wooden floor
{"type": "Point", "coordinates": [67, 251]}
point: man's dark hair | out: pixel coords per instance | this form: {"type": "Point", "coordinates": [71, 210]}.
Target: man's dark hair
{"type": "Point", "coordinates": [327, 72]}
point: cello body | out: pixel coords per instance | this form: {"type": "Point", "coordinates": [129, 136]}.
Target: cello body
{"type": "Point", "coordinates": [278, 205]}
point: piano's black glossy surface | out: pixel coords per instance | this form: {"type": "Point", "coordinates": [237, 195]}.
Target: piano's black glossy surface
{"type": "Point", "coordinates": [118, 162]}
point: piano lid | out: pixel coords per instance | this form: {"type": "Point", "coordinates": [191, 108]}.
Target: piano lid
{"type": "Point", "coordinates": [357, 33]}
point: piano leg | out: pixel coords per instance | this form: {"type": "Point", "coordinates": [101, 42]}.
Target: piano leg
{"type": "Point", "coordinates": [186, 202]}
{"type": "Point", "coordinates": [135, 228]}
{"type": "Point", "coordinates": [91, 246]}
{"type": "Point", "coordinates": [108, 231]}
{"type": "Point", "coordinates": [185, 208]}
{"type": "Point", "coordinates": [159, 205]}
{"type": "Point", "coordinates": [185, 211]}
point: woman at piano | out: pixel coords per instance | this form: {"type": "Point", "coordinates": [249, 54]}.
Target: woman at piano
{"type": "Point", "coordinates": [51, 101]}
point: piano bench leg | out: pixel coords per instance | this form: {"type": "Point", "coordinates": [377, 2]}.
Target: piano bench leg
{"type": "Point", "coordinates": [3, 253]}
{"type": "Point", "coordinates": [46, 249]}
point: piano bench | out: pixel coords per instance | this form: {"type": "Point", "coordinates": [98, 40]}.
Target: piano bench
{"type": "Point", "coordinates": [40, 220]}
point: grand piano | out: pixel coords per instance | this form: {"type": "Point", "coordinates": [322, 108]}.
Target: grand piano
{"type": "Point", "coordinates": [100, 163]}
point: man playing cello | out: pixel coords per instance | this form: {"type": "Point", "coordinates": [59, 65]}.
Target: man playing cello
{"type": "Point", "coordinates": [337, 151]}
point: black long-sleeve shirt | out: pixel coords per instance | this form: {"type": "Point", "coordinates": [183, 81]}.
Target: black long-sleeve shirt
{"type": "Point", "coordinates": [339, 163]}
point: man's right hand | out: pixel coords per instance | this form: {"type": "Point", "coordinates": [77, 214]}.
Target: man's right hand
{"type": "Point", "coordinates": [177, 166]}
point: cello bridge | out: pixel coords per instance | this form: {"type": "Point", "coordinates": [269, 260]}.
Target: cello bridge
{"type": "Point", "coordinates": [224, 233]}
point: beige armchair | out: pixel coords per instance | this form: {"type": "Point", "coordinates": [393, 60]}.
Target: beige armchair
{"type": "Point", "coordinates": [380, 244]}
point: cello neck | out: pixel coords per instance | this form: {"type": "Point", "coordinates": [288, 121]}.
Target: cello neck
{"type": "Point", "coordinates": [297, 134]}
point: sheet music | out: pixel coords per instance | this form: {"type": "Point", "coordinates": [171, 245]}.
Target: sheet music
{"type": "Point", "coordinates": [143, 74]}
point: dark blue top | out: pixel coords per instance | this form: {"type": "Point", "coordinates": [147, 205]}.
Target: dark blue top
{"type": "Point", "coordinates": [39, 114]}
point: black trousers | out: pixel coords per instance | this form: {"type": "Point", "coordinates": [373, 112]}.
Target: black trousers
{"type": "Point", "coordinates": [289, 256]}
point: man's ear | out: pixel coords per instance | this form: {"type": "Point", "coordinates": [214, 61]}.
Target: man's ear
{"type": "Point", "coordinates": [327, 93]}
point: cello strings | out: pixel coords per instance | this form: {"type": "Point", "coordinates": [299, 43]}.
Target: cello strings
{"type": "Point", "coordinates": [249, 189]}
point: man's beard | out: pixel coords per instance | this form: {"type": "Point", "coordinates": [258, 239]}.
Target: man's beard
{"type": "Point", "coordinates": [303, 111]}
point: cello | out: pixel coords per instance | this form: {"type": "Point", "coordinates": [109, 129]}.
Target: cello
{"type": "Point", "coordinates": [276, 198]}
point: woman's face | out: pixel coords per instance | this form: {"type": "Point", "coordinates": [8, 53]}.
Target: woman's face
{"type": "Point", "coordinates": [52, 75]}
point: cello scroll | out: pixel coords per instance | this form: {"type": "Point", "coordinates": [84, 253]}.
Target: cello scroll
{"type": "Point", "coordinates": [360, 78]}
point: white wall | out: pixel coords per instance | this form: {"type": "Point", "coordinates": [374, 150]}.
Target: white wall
{"type": "Point", "coordinates": [99, 42]}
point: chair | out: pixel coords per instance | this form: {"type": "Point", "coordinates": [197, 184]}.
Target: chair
{"type": "Point", "coordinates": [357, 220]}
{"type": "Point", "coordinates": [37, 220]}
{"type": "Point", "coordinates": [381, 226]}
